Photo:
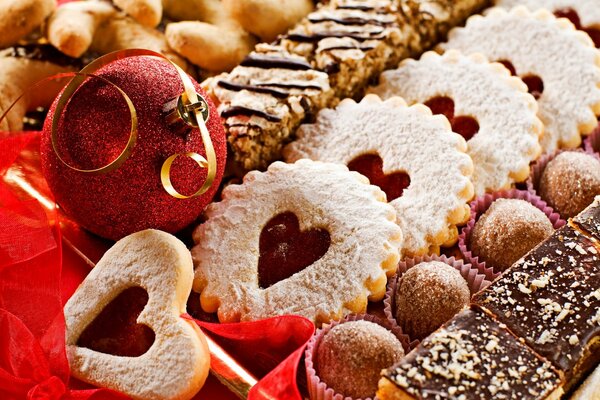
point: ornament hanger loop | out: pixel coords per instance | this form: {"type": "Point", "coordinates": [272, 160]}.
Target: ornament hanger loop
{"type": "Point", "coordinates": [185, 111]}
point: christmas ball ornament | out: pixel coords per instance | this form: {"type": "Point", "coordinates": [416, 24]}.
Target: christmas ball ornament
{"type": "Point", "coordinates": [119, 153]}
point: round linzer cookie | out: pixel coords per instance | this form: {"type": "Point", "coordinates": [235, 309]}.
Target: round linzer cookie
{"type": "Point", "coordinates": [309, 238]}
{"type": "Point", "coordinates": [411, 154]}
{"type": "Point", "coordinates": [559, 64]}
{"type": "Point", "coordinates": [584, 14]}
{"type": "Point", "coordinates": [489, 108]}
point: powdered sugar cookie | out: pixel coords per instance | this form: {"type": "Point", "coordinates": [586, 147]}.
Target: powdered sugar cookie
{"type": "Point", "coordinates": [176, 361]}
{"type": "Point", "coordinates": [309, 238]}
{"type": "Point", "coordinates": [584, 14]}
{"type": "Point", "coordinates": [491, 109]}
{"type": "Point", "coordinates": [560, 63]}
{"type": "Point", "coordinates": [429, 157]}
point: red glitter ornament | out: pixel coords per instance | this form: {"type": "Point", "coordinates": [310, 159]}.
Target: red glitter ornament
{"type": "Point", "coordinates": [93, 130]}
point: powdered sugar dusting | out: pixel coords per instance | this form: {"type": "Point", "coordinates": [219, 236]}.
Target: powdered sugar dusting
{"type": "Point", "coordinates": [177, 363]}
{"type": "Point", "coordinates": [364, 242]}
{"type": "Point", "coordinates": [588, 11]}
{"type": "Point", "coordinates": [507, 140]}
{"type": "Point", "coordinates": [407, 139]}
{"type": "Point", "coordinates": [540, 44]}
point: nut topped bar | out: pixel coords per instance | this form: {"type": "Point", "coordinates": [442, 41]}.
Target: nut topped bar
{"type": "Point", "coordinates": [471, 357]}
{"type": "Point", "coordinates": [551, 298]}
{"type": "Point", "coordinates": [333, 53]}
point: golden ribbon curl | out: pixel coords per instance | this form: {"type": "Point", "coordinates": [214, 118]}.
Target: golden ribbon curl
{"type": "Point", "coordinates": [189, 112]}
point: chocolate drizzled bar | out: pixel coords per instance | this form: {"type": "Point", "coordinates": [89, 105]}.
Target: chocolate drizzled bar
{"type": "Point", "coordinates": [471, 357]}
{"type": "Point", "coordinates": [333, 53]}
{"type": "Point", "coordinates": [549, 301]}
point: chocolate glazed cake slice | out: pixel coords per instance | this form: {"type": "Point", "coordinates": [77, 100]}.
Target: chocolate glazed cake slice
{"type": "Point", "coordinates": [332, 54]}
{"type": "Point", "coordinates": [551, 299]}
{"type": "Point", "coordinates": [471, 357]}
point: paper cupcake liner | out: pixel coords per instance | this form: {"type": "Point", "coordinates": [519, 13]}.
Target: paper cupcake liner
{"type": "Point", "coordinates": [480, 206]}
{"type": "Point", "coordinates": [317, 389]}
{"type": "Point", "coordinates": [475, 279]}
{"type": "Point", "coordinates": [592, 142]}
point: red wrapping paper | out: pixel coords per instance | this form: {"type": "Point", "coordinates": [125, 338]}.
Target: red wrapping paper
{"type": "Point", "coordinates": [33, 362]}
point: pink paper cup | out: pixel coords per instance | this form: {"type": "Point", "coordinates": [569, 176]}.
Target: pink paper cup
{"type": "Point", "coordinates": [592, 142]}
{"type": "Point", "coordinates": [317, 389]}
{"type": "Point", "coordinates": [480, 205]}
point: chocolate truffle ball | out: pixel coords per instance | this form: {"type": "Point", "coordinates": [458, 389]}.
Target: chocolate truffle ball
{"type": "Point", "coordinates": [570, 182]}
{"type": "Point", "coordinates": [427, 295]}
{"type": "Point", "coordinates": [507, 231]}
{"type": "Point", "coordinates": [351, 356]}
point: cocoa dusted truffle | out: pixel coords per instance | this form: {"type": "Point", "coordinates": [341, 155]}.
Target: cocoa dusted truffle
{"type": "Point", "coordinates": [427, 295]}
{"type": "Point", "coordinates": [352, 354]}
{"type": "Point", "coordinates": [507, 231]}
{"type": "Point", "coordinates": [570, 182]}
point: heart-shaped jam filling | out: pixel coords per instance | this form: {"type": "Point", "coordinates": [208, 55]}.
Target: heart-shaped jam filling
{"type": "Point", "coordinates": [116, 331]}
{"type": "Point", "coordinates": [371, 166]}
{"type": "Point", "coordinates": [465, 126]}
{"type": "Point", "coordinates": [572, 16]}
{"type": "Point", "coordinates": [285, 250]}
{"type": "Point", "coordinates": [535, 84]}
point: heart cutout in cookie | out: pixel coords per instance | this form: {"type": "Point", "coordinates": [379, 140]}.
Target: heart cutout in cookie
{"type": "Point", "coordinates": [535, 84]}
{"type": "Point", "coordinates": [116, 331]}
{"type": "Point", "coordinates": [572, 16]}
{"type": "Point", "coordinates": [371, 166]}
{"type": "Point", "coordinates": [285, 250]}
{"type": "Point", "coordinates": [465, 126]}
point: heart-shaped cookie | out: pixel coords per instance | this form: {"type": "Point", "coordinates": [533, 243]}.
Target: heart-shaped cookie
{"type": "Point", "coordinates": [177, 363]}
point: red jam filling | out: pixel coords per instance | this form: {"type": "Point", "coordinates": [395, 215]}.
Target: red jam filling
{"type": "Point", "coordinates": [465, 126]}
{"type": "Point", "coordinates": [116, 331]}
{"type": "Point", "coordinates": [572, 16]}
{"type": "Point", "coordinates": [285, 250]}
{"type": "Point", "coordinates": [535, 84]}
{"type": "Point", "coordinates": [371, 166]}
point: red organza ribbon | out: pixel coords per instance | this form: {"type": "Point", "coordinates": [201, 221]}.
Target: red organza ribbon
{"type": "Point", "coordinates": [33, 362]}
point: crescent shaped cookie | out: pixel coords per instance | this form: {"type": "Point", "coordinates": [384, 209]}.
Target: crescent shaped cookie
{"type": "Point", "coordinates": [509, 130]}
{"type": "Point", "coordinates": [538, 44]}
{"type": "Point", "coordinates": [408, 139]}
{"type": "Point", "coordinates": [362, 251]}
{"type": "Point", "coordinates": [177, 363]}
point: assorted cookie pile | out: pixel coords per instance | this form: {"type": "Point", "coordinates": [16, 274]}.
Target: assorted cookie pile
{"type": "Point", "coordinates": [458, 190]}
{"type": "Point", "coordinates": [39, 38]}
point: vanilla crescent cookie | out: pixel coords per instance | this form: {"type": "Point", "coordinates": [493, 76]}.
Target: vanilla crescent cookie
{"type": "Point", "coordinates": [363, 244]}
{"type": "Point", "coordinates": [539, 44]}
{"type": "Point", "coordinates": [177, 362]}
{"type": "Point", "coordinates": [509, 130]}
{"type": "Point", "coordinates": [408, 139]}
